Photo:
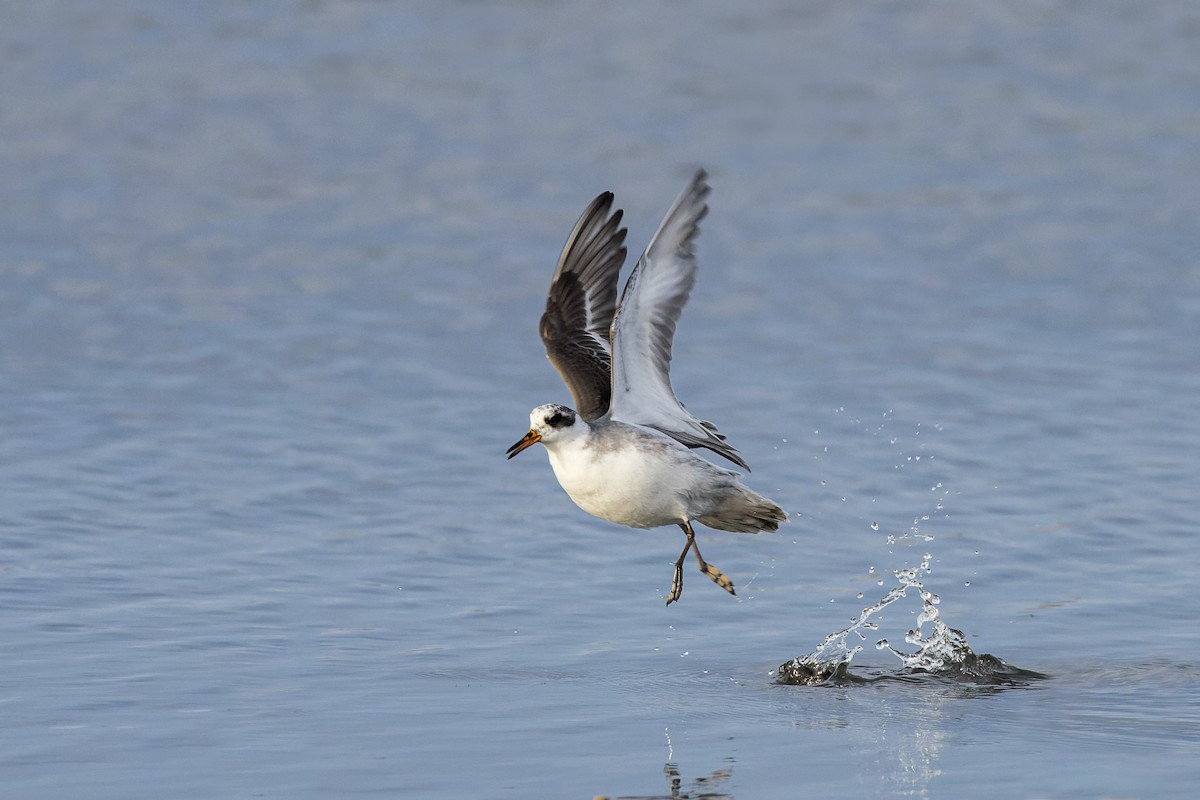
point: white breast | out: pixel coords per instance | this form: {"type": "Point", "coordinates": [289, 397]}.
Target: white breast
{"type": "Point", "coordinates": [634, 482]}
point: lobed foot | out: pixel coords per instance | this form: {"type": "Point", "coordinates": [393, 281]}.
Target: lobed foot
{"type": "Point", "coordinates": [718, 577]}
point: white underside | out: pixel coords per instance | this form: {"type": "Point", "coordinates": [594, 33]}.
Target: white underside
{"type": "Point", "coordinates": [657, 482]}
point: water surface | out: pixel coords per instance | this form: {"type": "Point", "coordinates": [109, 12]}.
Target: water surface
{"type": "Point", "coordinates": [269, 283]}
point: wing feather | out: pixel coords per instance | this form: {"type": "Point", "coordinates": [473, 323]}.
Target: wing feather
{"type": "Point", "coordinates": [581, 303]}
{"type": "Point", "coordinates": [643, 329]}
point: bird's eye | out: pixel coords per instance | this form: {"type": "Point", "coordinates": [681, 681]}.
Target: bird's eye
{"type": "Point", "coordinates": [554, 419]}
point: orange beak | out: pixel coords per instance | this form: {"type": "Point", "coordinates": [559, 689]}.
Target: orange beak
{"type": "Point", "coordinates": [529, 440]}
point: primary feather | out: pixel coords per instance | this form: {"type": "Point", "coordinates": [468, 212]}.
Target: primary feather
{"type": "Point", "coordinates": [579, 309]}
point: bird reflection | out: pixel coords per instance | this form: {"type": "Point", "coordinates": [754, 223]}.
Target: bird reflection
{"type": "Point", "coordinates": [707, 788]}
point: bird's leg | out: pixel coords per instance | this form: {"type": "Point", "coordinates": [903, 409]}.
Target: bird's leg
{"type": "Point", "coordinates": [677, 579]}
{"type": "Point", "coordinates": [714, 574]}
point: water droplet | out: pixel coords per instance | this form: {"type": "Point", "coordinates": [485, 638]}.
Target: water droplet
{"type": "Point", "coordinates": [859, 595]}
{"type": "Point", "coordinates": [822, 482]}
{"type": "Point", "coordinates": [874, 526]}
{"type": "Point", "coordinates": [966, 583]}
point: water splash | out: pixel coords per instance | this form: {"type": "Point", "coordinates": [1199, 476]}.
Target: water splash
{"type": "Point", "coordinates": [832, 657]}
{"type": "Point", "coordinates": [943, 651]}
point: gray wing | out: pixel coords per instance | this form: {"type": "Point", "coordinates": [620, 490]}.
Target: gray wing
{"type": "Point", "coordinates": [644, 329]}
{"type": "Point", "coordinates": [580, 306]}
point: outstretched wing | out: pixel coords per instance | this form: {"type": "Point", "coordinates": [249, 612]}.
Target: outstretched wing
{"type": "Point", "coordinates": [644, 329]}
{"type": "Point", "coordinates": [580, 306]}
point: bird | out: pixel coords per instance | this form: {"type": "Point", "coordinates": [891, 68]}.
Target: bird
{"type": "Point", "coordinates": [628, 451]}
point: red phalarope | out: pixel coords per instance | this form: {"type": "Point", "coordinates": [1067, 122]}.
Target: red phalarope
{"type": "Point", "coordinates": [626, 453]}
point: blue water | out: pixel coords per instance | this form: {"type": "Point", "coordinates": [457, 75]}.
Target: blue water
{"type": "Point", "coordinates": [269, 282]}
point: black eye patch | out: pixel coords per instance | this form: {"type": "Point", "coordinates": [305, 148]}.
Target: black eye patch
{"type": "Point", "coordinates": [555, 419]}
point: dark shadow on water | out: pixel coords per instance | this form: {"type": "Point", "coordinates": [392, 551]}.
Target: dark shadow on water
{"type": "Point", "coordinates": [976, 674]}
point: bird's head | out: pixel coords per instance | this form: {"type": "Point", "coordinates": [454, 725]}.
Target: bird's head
{"type": "Point", "coordinates": [547, 424]}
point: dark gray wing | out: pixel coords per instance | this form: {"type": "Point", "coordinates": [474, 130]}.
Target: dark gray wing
{"type": "Point", "coordinates": [644, 329]}
{"type": "Point", "coordinates": [580, 306]}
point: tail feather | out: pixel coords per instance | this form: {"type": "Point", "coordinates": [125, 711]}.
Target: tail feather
{"type": "Point", "coordinates": [744, 512]}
